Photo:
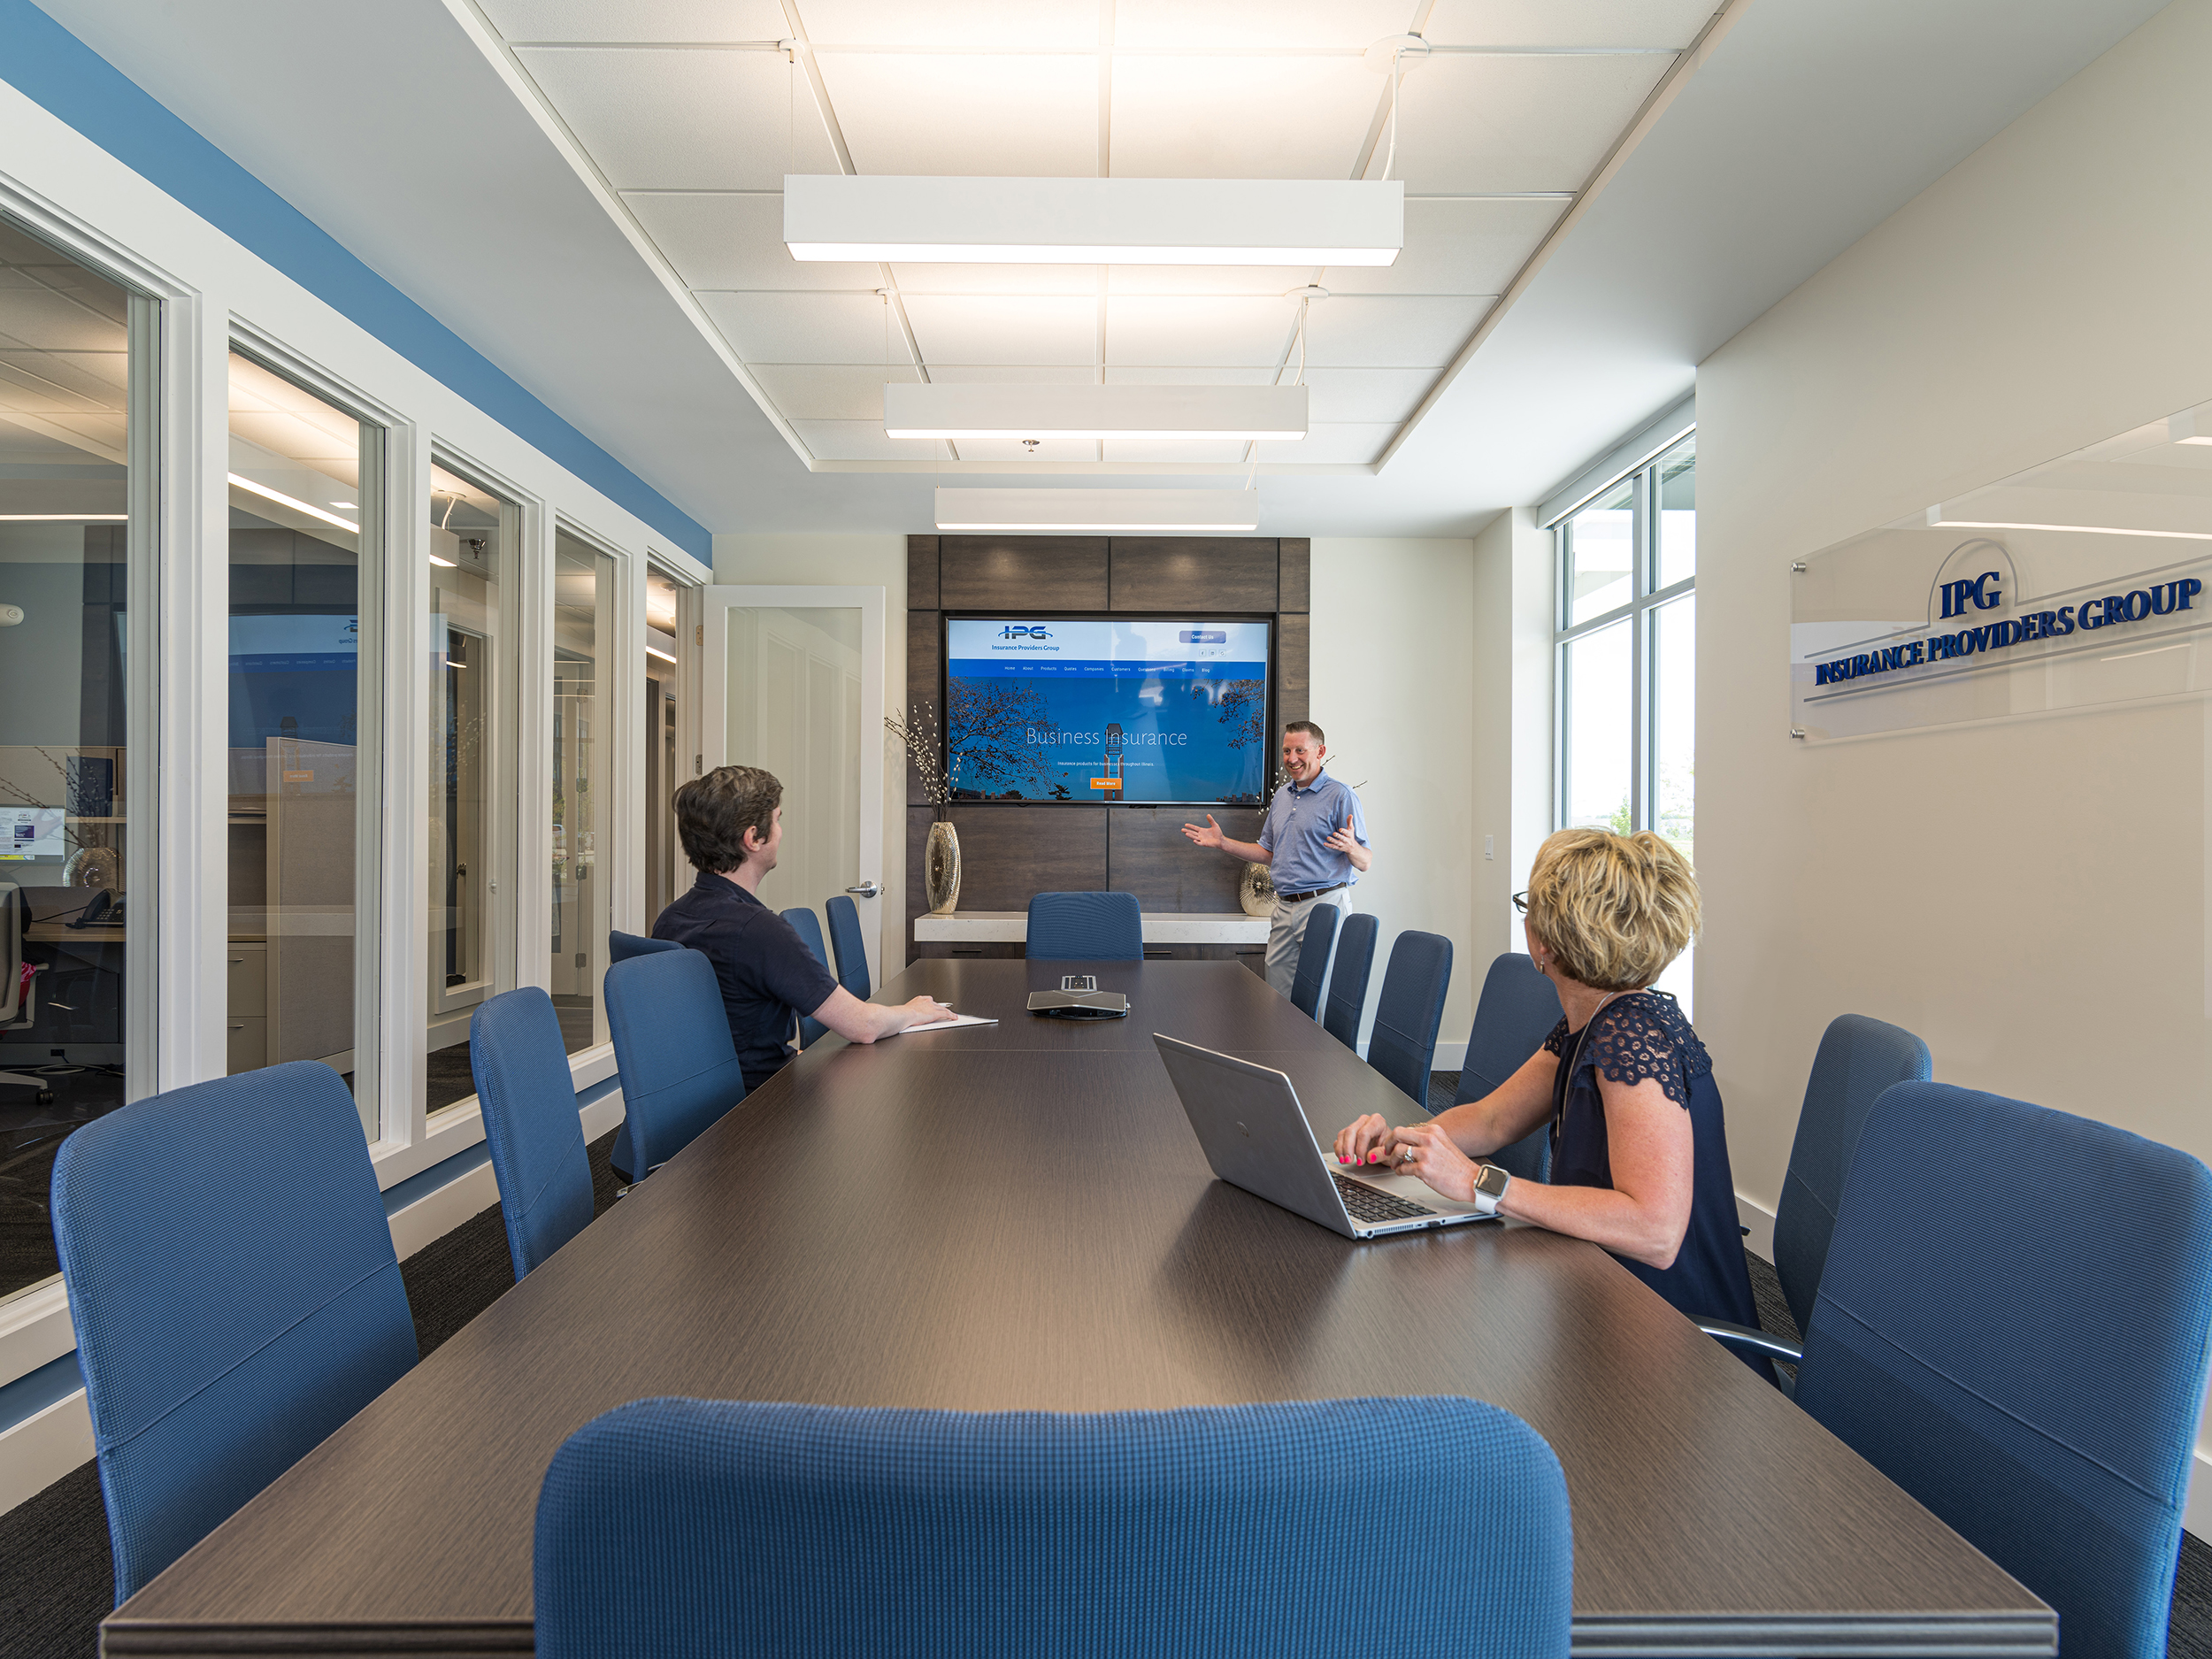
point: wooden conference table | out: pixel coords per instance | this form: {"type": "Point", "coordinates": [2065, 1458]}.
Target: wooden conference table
{"type": "Point", "coordinates": [1018, 1216]}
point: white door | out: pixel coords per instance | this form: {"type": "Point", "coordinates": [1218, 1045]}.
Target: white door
{"type": "Point", "coordinates": [795, 684]}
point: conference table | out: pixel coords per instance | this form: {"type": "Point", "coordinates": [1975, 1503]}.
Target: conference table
{"type": "Point", "coordinates": [1016, 1216]}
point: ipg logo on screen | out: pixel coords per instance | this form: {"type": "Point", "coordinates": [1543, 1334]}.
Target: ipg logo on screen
{"type": "Point", "coordinates": [1025, 631]}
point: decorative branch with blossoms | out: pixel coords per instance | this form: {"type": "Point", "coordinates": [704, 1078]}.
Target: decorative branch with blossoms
{"type": "Point", "coordinates": [924, 750]}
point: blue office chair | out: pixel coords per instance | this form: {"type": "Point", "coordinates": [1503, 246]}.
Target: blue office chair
{"type": "Point", "coordinates": [1403, 1045]}
{"type": "Point", "coordinates": [2011, 1325]}
{"type": "Point", "coordinates": [808, 926]}
{"type": "Point", "coordinates": [1347, 979]}
{"type": "Point", "coordinates": [229, 1318]}
{"type": "Point", "coordinates": [1086, 927]}
{"type": "Point", "coordinates": [673, 1054]}
{"type": "Point", "coordinates": [531, 1123]}
{"type": "Point", "coordinates": [851, 947]}
{"type": "Point", "coordinates": [1519, 1008]}
{"type": "Point", "coordinates": [672, 1526]}
{"type": "Point", "coordinates": [622, 947]}
{"type": "Point", "coordinates": [1315, 946]}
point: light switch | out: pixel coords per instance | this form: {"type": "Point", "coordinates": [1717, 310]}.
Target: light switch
{"type": "Point", "coordinates": [1489, 846]}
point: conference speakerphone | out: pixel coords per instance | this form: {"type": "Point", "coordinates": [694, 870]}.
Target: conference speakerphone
{"type": "Point", "coordinates": [1078, 997]}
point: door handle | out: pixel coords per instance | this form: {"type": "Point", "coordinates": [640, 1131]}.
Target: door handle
{"type": "Point", "coordinates": [866, 890]}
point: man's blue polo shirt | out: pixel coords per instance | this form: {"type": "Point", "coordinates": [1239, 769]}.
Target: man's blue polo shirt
{"type": "Point", "coordinates": [767, 975]}
{"type": "Point", "coordinates": [1299, 820]}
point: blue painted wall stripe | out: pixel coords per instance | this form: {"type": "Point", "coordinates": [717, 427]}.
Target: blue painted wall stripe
{"type": "Point", "coordinates": [57, 71]}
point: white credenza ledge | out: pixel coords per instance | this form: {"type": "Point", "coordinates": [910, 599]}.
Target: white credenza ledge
{"type": "Point", "coordinates": [1165, 927]}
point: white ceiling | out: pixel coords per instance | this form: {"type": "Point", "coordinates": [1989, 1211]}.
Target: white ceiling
{"type": "Point", "coordinates": [585, 190]}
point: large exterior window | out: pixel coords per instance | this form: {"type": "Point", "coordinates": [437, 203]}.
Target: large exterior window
{"type": "Point", "coordinates": [76, 402]}
{"type": "Point", "coordinates": [583, 700]}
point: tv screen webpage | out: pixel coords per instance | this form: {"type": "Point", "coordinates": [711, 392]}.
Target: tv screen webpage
{"type": "Point", "coordinates": [1121, 709]}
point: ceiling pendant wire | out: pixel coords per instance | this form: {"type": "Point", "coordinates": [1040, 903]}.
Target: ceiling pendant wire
{"type": "Point", "coordinates": [1390, 161]}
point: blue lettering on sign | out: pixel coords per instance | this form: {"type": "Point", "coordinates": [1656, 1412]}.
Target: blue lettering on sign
{"type": "Point", "coordinates": [1019, 630]}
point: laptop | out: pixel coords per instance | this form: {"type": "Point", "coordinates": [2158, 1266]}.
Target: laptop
{"type": "Point", "coordinates": [1255, 1136]}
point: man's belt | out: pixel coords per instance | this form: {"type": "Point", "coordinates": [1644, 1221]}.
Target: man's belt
{"type": "Point", "coordinates": [1312, 893]}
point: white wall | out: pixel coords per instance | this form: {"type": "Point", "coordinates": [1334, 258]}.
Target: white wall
{"type": "Point", "coordinates": [1512, 663]}
{"type": "Point", "coordinates": [1393, 686]}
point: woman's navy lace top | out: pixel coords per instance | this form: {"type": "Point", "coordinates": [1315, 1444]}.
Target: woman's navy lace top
{"type": "Point", "coordinates": [1643, 1035]}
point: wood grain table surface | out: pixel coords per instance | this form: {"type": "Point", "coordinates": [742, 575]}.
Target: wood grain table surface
{"type": "Point", "coordinates": [1018, 1216]}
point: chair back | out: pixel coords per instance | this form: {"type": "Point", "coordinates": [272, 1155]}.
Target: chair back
{"type": "Point", "coordinates": [1347, 977]}
{"type": "Point", "coordinates": [531, 1123]}
{"type": "Point", "coordinates": [1403, 1046]}
{"type": "Point", "coordinates": [808, 926]}
{"type": "Point", "coordinates": [683, 1526]}
{"type": "Point", "coordinates": [228, 1315]}
{"type": "Point", "coordinates": [851, 947]}
{"type": "Point", "coordinates": [1085, 927]}
{"type": "Point", "coordinates": [2011, 1325]}
{"type": "Point", "coordinates": [672, 1051]}
{"type": "Point", "coordinates": [11, 953]}
{"type": "Point", "coordinates": [1517, 1011]}
{"type": "Point", "coordinates": [1858, 1059]}
{"type": "Point", "coordinates": [622, 947]}
{"type": "Point", "coordinates": [1315, 947]}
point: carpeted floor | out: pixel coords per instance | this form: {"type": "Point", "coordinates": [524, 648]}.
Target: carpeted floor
{"type": "Point", "coordinates": [57, 1583]}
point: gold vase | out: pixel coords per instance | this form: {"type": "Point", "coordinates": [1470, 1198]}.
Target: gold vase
{"type": "Point", "coordinates": [941, 867]}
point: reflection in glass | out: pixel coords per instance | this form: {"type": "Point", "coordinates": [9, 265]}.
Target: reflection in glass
{"type": "Point", "coordinates": [71, 420]}
{"type": "Point", "coordinates": [1677, 513]}
{"type": "Point", "coordinates": [1598, 715]}
{"type": "Point", "coordinates": [1601, 556]}
{"type": "Point", "coordinates": [583, 636]}
{"type": "Point", "coordinates": [1674, 722]}
{"type": "Point", "coordinates": [664, 867]}
{"type": "Point", "coordinates": [300, 473]}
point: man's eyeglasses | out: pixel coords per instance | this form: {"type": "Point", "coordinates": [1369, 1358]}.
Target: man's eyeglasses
{"type": "Point", "coordinates": [1520, 902]}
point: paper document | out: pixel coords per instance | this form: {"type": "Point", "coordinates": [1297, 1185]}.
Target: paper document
{"type": "Point", "coordinates": [958, 1019]}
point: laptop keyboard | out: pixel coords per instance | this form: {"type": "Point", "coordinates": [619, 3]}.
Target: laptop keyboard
{"type": "Point", "coordinates": [1364, 1203]}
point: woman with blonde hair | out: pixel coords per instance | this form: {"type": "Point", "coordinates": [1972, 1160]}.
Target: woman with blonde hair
{"type": "Point", "coordinates": [1639, 1154]}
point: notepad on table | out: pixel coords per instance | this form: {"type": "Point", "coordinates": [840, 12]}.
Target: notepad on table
{"type": "Point", "coordinates": [958, 1019]}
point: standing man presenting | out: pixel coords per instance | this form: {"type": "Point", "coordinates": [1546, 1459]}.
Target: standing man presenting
{"type": "Point", "coordinates": [1313, 841]}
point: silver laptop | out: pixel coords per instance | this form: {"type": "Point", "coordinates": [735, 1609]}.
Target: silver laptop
{"type": "Point", "coordinates": [1255, 1136]}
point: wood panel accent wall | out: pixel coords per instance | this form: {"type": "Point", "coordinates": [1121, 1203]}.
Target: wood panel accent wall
{"type": "Point", "coordinates": [1011, 852]}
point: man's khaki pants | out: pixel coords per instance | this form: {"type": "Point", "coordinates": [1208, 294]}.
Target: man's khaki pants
{"type": "Point", "coordinates": [1286, 933]}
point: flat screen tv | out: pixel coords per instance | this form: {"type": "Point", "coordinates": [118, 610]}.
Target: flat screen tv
{"type": "Point", "coordinates": [1169, 711]}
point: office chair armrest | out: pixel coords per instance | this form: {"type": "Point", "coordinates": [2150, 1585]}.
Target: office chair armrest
{"type": "Point", "coordinates": [1757, 1342]}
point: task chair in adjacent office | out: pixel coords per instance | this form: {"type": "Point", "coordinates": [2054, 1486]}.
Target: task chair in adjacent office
{"type": "Point", "coordinates": [19, 1003]}
{"type": "Point", "coordinates": [1315, 946]}
{"type": "Point", "coordinates": [1403, 1045]}
{"type": "Point", "coordinates": [808, 926]}
{"type": "Point", "coordinates": [672, 1051]}
{"type": "Point", "coordinates": [623, 947]}
{"type": "Point", "coordinates": [225, 1326]}
{"type": "Point", "coordinates": [2011, 1325]}
{"type": "Point", "coordinates": [531, 1123]}
{"type": "Point", "coordinates": [1348, 979]}
{"type": "Point", "coordinates": [1085, 927]}
{"type": "Point", "coordinates": [681, 1525]}
{"type": "Point", "coordinates": [850, 945]}
{"type": "Point", "coordinates": [1519, 1008]}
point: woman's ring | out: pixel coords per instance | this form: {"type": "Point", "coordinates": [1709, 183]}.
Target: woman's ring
{"type": "Point", "coordinates": [1410, 1154]}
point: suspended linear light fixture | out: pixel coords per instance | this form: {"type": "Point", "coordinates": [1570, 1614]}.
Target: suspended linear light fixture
{"type": "Point", "coordinates": [1097, 511]}
{"type": "Point", "coordinates": [1938, 520]}
{"type": "Point", "coordinates": [976, 411]}
{"type": "Point", "coordinates": [1094, 221]}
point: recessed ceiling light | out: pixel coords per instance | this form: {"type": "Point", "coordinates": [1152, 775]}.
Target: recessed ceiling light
{"type": "Point", "coordinates": [346, 505]}
{"type": "Point", "coordinates": [1094, 221]}
{"type": "Point", "coordinates": [979, 410]}
{"type": "Point", "coordinates": [1936, 520]}
{"type": "Point", "coordinates": [64, 517]}
{"type": "Point", "coordinates": [1101, 511]}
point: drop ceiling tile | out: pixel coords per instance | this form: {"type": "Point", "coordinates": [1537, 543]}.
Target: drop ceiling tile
{"type": "Point", "coordinates": [1206, 279]}
{"type": "Point", "coordinates": [1336, 444]}
{"type": "Point", "coordinates": [1015, 373]}
{"type": "Point", "coordinates": [676, 120]}
{"type": "Point", "coordinates": [1002, 26]}
{"type": "Point", "coordinates": [1390, 330]}
{"type": "Point", "coordinates": [1454, 248]}
{"type": "Point", "coordinates": [42, 320]}
{"type": "Point", "coordinates": [1176, 25]}
{"type": "Point", "coordinates": [970, 116]}
{"type": "Point", "coordinates": [1188, 375]}
{"type": "Point", "coordinates": [1221, 451]}
{"type": "Point", "coordinates": [1477, 123]}
{"type": "Point", "coordinates": [1036, 329]}
{"type": "Point", "coordinates": [637, 19]}
{"type": "Point", "coordinates": [803, 328]}
{"type": "Point", "coordinates": [724, 241]}
{"type": "Point", "coordinates": [1240, 117]}
{"type": "Point", "coordinates": [1672, 23]}
{"type": "Point", "coordinates": [862, 440]}
{"type": "Point", "coordinates": [1049, 452]}
{"type": "Point", "coordinates": [827, 391]}
{"type": "Point", "coordinates": [1366, 394]}
{"type": "Point", "coordinates": [1225, 331]}
{"type": "Point", "coordinates": [996, 279]}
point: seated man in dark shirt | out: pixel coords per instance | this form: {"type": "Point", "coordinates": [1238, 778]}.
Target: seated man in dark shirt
{"type": "Point", "coordinates": [731, 822]}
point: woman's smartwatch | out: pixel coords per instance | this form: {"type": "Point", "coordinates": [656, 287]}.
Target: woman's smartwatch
{"type": "Point", "coordinates": [1490, 1185]}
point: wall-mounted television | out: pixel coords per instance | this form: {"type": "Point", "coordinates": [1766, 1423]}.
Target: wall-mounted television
{"type": "Point", "coordinates": [1166, 710]}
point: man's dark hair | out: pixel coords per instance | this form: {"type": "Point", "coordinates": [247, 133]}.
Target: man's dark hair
{"type": "Point", "coordinates": [713, 813]}
{"type": "Point", "coordinates": [1319, 737]}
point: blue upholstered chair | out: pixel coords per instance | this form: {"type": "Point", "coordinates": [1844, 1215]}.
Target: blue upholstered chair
{"type": "Point", "coordinates": [2011, 1325]}
{"type": "Point", "coordinates": [714, 1528]}
{"type": "Point", "coordinates": [228, 1314]}
{"type": "Point", "coordinates": [621, 946]}
{"type": "Point", "coordinates": [808, 926]}
{"type": "Point", "coordinates": [1403, 1045]}
{"type": "Point", "coordinates": [531, 1123]}
{"type": "Point", "coordinates": [1517, 1011]}
{"type": "Point", "coordinates": [1315, 947]}
{"type": "Point", "coordinates": [672, 1051]}
{"type": "Point", "coordinates": [1347, 979]}
{"type": "Point", "coordinates": [851, 947]}
{"type": "Point", "coordinates": [1086, 927]}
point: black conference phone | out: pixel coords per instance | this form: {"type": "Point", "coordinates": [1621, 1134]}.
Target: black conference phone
{"type": "Point", "coordinates": [1078, 997]}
